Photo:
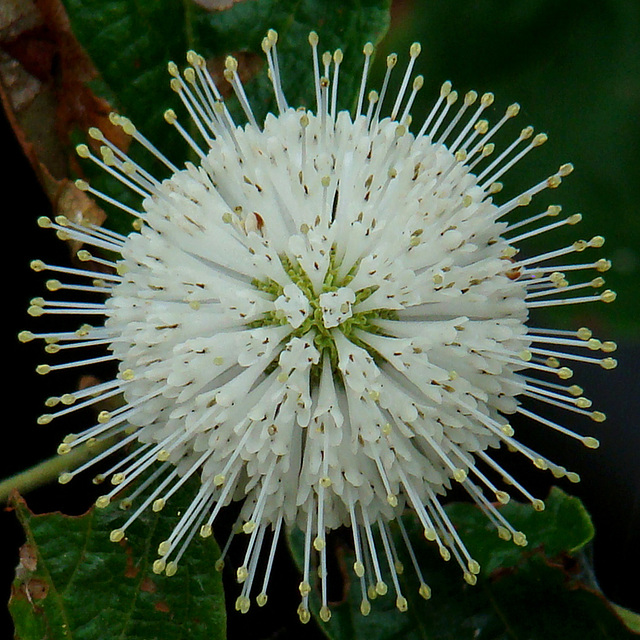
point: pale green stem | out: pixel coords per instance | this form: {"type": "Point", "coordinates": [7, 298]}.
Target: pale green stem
{"type": "Point", "coordinates": [49, 470]}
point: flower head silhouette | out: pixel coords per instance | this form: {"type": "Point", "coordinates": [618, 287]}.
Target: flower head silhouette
{"type": "Point", "coordinates": [325, 318]}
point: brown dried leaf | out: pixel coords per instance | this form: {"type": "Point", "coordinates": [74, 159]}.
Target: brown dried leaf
{"type": "Point", "coordinates": [249, 65]}
{"type": "Point", "coordinates": [78, 207]}
{"type": "Point", "coordinates": [43, 88]}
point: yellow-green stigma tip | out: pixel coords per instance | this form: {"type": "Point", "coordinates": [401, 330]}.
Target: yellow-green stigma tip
{"type": "Point", "coordinates": [102, 502]}
{"type": "Point", "coordinates": [303, 614]}
{"type": "Point", "coordinates": [520, 539]}
{"type": "Point", "coordinates": [381, 588]}
{"type": "Point", "coordinates": [164, 548]}
{"type": "Point", "coordinates": [65, 477]}
{"type": "Point", "coordinates": [470, 578]}
{"type": "Point", "coordinates": [116, 535]}
{"type": "Point", "coordinates": [591, 443]}
{"type": "Point", "coordinates": [159, 565]}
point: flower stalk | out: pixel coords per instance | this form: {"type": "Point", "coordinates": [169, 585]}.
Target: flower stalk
{"type": "Point", "coordinates": [50, 470]}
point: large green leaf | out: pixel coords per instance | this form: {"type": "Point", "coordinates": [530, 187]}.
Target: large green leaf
{"type": "Point", "coordinates": [564, 526]}
{"type": "Point", "coordinates": [73, 583]}
{"type": "Point", "coordinates": [540, 592]}
{"type": "Point", "coordinates": [131, 43]}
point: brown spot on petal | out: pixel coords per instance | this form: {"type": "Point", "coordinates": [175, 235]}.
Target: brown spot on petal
{"type": "Point", "coordinates": [513, 274]}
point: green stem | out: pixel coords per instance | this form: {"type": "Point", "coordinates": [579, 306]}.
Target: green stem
{"type": "Point", "coordinates": [48, 470]}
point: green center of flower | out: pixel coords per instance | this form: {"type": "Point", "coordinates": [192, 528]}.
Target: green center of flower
{"type": "Point", "coordinates": [333, 307]}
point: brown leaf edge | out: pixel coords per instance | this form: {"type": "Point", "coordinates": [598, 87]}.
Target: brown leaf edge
{"type": "Point", "coordinates": [28, 589]}
{"type": "Point", "coordinates": [44, 76]}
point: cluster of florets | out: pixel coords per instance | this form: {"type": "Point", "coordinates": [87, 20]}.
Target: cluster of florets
{"type": "Point", "coordinates": [325, 318]}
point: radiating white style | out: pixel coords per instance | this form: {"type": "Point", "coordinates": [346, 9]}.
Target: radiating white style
{"type": "Point", "coordinates": [326, 319]}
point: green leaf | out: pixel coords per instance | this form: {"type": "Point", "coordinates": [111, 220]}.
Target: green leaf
{"type": "Point", "coordinates": [631, 619]}
{"type": "Point", "coordinates": [564, 526]}
{"type": "Point", "coordinates": [539, 592]}
{"type": "Point", "coordinates": [73, 583]}
{"type": "Point", "coordinates": [131, 43]}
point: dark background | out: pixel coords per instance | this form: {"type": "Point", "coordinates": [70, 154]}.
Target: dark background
{"type": "Point", "coordinates": [575, 69]}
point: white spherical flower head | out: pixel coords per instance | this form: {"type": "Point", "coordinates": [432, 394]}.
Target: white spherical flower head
{"type": "Point", "coordinates": [326, 319]}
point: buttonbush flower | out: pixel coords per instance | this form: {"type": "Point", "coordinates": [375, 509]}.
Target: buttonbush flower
{"type": "Point", "coordinates": [326, 318]}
